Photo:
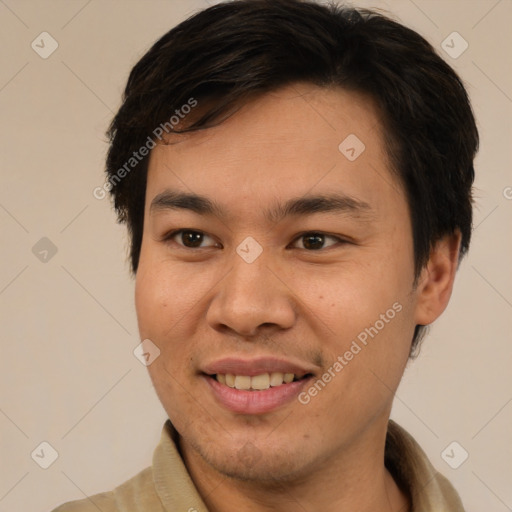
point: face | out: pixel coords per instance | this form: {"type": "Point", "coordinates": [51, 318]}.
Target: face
{"type": "Point", "coordinates": [272, 253]}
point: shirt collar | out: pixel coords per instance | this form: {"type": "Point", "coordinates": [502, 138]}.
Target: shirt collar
{"type": "Point", "coordinates": [428, 490]}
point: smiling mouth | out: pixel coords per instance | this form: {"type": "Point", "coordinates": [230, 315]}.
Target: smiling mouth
{"type": "Point", "coordinates": [260, 382]}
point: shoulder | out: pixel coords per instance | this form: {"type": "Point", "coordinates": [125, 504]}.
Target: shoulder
{"type": "Point", "coordinates": [104, 502]}
{"type": "Point", "coordinates": [138, 490]}
{"type": "Point", "coordinates": [428, 489]}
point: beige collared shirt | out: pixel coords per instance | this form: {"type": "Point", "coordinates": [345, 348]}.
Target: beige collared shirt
{"type": "Point", "coordinates": [166, 486]}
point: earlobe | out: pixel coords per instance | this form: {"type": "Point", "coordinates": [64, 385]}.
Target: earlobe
{"type": "Point", "coordinates": [435, 283]}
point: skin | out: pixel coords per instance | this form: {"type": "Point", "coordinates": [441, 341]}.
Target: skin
{"type": "Point", "coordinates": [201, 304]}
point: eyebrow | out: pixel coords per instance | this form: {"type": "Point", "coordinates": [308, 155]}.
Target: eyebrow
{"type": "Point", "coordinates": [300, 206]}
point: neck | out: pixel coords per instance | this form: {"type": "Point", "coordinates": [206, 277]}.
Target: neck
{"type": "Point", "coordinates": [353, 480]}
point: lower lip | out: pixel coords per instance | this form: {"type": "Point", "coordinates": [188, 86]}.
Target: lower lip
{"type": "Point", "coordinates": [255, 402]}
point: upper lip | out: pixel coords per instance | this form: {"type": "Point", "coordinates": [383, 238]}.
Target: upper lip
{"type": "Point", "coordinates": [255, 366]}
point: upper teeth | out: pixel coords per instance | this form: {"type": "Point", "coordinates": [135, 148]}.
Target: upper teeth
{"type": "Point", "coordinates": [259, 382]}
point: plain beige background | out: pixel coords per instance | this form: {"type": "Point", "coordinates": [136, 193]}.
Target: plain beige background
{"type": "Point", "coordinates": [68, 373]}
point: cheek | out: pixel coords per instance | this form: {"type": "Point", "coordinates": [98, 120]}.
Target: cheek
{"type": "Point", "coordinates": [162, 309]}
{"type": "Point", "coordinates": [385, 348]}
{"type": "Point", "coordinates": [370, 304]}
{"type": "Point", "coordinates": [157, 301]}
{"type": "Point", "coordinates": [149, 302]}
{"type": "Point", "coordinates": [348, 298]}
{"type": "Point", "coordinates": [168, 298]}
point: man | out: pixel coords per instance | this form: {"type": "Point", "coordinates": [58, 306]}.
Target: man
{"type": "Point", "coordinates": [296, 181]}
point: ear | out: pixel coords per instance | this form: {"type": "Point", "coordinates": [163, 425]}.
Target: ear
{"type": "Point", "coordinates": [435, 283]}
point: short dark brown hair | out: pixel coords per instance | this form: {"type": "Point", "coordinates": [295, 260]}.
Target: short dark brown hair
{"type": "Point", "coordinates": [228, 53]}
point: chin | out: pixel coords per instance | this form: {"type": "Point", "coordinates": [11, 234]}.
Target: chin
{"type": "Point", "coordinates": [269, 465]}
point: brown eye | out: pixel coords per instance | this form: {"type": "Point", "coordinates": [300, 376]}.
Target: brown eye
{"type": "Point", "coordinates": [189, 238]}
{"type": "Point", "coordinates": [315, 241]}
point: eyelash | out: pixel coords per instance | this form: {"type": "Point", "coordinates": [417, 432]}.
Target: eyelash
{"type": "Point", "coordinates": [169, 236]}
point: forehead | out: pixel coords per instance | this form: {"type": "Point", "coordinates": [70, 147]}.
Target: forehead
{"type": "Point", "coordinates": [297, 140]}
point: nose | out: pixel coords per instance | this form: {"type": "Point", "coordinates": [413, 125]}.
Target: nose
{"type": "Point", "coordinates": [252, 298]}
